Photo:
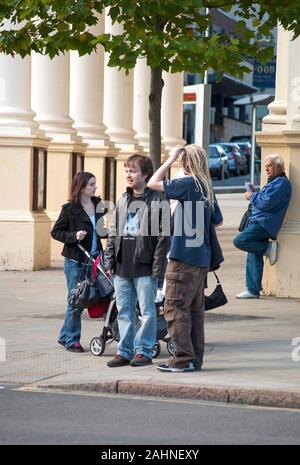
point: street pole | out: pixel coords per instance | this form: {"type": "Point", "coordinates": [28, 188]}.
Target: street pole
{"type": "Point", "coordinates": [206, 35]}
{"type": "Point", "coordinates": [206, 103]}
{"type": "Point", "coordinates": [252, 166]}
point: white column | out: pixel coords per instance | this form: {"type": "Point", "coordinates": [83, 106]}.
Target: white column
{"type": "Point", "coordinates": [24, 234]}
{"type": "Point", "coordinates": [276, 119]}
{"type": "Point", "coordinates": [16, 116]}
{"type": "Point", "coordinates": [142, 75]}
{"type": "Point", "coordinates": [172, 110]}
{"type": "Point", "coordinates": [86, 97]}
{"type": "Point", "coordinates": [50, 100]}
{"type": "Point", "coordinates": [118, 110]}
{"type": "Point", "coordinates": [50, 96]}
{"type": "Point", "coordinates": [172, 115]}
{"type": "Point", "coordinates": [86, 92]}
{"type": "Point", "coordinates": [118, 101]}
{"type": "Point", "coordinates": [86, 107]}
{"type": "Point", "coordinates": [281, 134]}
{"type": "Point", "coordinates": [141, 88]}
{"type": "Point", "coordinates": [293, 110]}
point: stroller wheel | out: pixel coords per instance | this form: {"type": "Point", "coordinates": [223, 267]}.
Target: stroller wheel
{"type": "Point", "coordinates": [156, 350]}
{"type": "Point", "coordinates": [171, 347]}
{"type": "Point", "coordinates": [97, 346]}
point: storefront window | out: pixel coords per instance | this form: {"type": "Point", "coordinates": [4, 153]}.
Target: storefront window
{"type": "Point", "coordinates": [39, 179]}
{"type": "Point", "coordinates": [189, 120]}
{"type": "Point", "coordinates": [77, 163]}
{"type": "Point", "coordinates": [110, 179]}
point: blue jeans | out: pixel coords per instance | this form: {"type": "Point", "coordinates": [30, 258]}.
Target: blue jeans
{"type": "Point", "coordinates": [128, 291]}
{"type": "Point", "coordinates": [254, 240]}
{"type": "Point", "coordinates": [71, 329]}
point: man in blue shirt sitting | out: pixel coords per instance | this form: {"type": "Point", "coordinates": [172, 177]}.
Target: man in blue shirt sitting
{"type": "Point", "coordinates": [268, 209]}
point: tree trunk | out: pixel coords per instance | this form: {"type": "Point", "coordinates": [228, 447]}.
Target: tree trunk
{"type": "Point", "coordinates": [156, 86]}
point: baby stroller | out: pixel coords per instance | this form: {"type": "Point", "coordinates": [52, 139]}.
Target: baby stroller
{"type": "Point", "coordinates": [110, 331]}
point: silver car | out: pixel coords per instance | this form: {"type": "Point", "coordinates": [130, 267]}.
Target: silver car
{"type": "Point", "coordinates": [218, 161]}
{"type": "Point", "coordinates": [237, 162]}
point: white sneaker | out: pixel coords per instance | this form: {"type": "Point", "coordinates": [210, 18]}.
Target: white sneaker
{"type": "Point", "coordinates": [247, 295]}
{"type": "Point", "coordinates": [272, 252]}
{"type": "Point", "coordinates": [188, 368]}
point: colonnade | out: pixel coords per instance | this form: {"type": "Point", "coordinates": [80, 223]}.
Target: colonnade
{"type": "Point", "coordinates": [58, 116]}
{"type": "Point", "coordinates": [281, 134]}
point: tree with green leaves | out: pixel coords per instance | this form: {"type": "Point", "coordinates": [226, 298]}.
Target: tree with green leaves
{"type": "Point", "coordinates": [169, 34]}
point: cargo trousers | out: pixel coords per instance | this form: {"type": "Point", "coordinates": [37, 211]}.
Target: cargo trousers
{"type": "Point", "coordinates": [184, 312]}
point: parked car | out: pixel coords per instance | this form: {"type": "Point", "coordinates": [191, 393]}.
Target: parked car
{"type": "Point", "coordinates": [236, 139]}
{"type": "Point", "coordinates": [218, 161]}
{"type": "Point", "coordinates": [245, 149]}
{"type": "Point", "coordinates": [237, 162]}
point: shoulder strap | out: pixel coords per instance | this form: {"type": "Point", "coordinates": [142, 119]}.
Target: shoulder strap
{"type": "Point", "coordinates": [218, 281]}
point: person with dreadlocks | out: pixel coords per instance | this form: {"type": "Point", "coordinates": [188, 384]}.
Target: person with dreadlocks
{"type": "Point", "coordinates": [190, 253]}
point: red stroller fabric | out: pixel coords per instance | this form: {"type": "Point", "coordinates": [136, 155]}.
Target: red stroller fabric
{"type": "Point", "coordinates": [98, 310]}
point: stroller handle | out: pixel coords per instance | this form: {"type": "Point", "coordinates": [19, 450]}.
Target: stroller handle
{"type": "Point", "coordinates": [99, 267]}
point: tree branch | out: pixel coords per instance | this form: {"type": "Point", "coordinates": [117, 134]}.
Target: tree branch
{"type": "Point", "coordinates": [220, 5]}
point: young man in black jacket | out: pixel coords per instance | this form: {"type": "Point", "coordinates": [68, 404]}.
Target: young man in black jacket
{"type": "Point", "coordinates": [136, 254]}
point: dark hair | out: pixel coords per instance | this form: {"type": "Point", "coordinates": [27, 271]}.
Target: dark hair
{"type": "Point", "coordinates": [80, 181]}
{"type": "Point", "coordinates": [144, 162]}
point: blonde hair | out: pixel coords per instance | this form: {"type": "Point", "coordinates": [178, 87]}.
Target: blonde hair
{"type": "Point", "coordinates": [195, 162]}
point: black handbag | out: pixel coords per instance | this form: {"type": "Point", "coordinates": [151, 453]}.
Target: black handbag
{"type": "Point", "coordinates": [217, 298]}
{"type": "Point", "coordinates": [245, 219]}
{"type": "Point", "coordinates": [85, 294]}
{"type": "Point", "coordinates": [103, 282]}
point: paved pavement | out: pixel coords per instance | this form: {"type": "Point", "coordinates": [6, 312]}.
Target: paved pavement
{"type": "Point", "coordinates": [249, 353]}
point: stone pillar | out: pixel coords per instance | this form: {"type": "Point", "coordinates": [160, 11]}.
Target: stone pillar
{"type": "Point", "coordinates": [118, 110]}
{"type": "Point", "coordinates": [141, 124]}
{"type": "Point", "coordinates": [24, 231]}
{"type": "Point", "coordinates": [281, 134]}
{"type": "Point", "coordinates": [172, 113]}
{"type": "Point", "coordinates": [50, 101]}
{"type": "Point", "coordinates": [276, 119]}
{"type": "Point", "coordinates": [86, 108]}
{"type": "Point", "coordinates": [142, 74]}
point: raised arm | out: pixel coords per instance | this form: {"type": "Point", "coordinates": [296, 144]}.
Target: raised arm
{"type": "Point", "coordinates": [156, 181]}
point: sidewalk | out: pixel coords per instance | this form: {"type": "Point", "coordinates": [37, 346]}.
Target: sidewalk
{"type": "Point", "coordinates": [248, 355]}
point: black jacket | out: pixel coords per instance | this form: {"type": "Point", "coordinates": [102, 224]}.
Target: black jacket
{"type": "Point", "coordinates": [149, 249]}
{"type": "Point", "coordinates": [73, 218]}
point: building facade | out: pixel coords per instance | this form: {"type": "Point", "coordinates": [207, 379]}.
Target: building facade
{"type": "Point", "coordinates": [61, 116]}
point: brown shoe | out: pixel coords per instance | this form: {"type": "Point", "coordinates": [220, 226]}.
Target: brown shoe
{"type": "Point", "coordinates": [118, 361]}
{"type": "Point", "coordinates": [140, 360]}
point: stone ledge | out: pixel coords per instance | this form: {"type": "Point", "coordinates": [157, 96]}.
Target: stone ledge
{"type": "Point", "coordinates": [227, 394]}
{"type": "Point", "coordinates": [179, 391]}
{"type": "Point", "coordinates": [265, 397]}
